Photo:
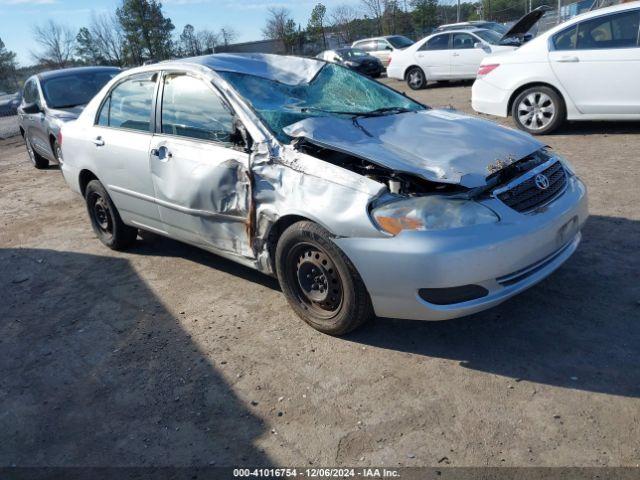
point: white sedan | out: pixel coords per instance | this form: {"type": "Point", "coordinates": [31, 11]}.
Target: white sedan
{"type": "Point", "coordinates": [584, 69]}
{"type": "Point", "coordinates": [451, 55]}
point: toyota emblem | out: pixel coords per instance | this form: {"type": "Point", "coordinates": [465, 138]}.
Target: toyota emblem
{"type": "Point", "coordinates": [542, 182]}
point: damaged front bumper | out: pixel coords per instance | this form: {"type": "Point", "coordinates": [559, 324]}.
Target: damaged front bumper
{"type": "Point", "coordinates": [466, 270]}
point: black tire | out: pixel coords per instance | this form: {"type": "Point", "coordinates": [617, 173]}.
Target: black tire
{"type": "Point", "coordinates": [538, 110]}
{"type": "Point", "coordinates": [416, 78]}
{"type": "Point", "coordinates": [38, 160]}
{"type": "Point", "coordinates": [105, 219]}
{"type": "Point", "coordinates": [319, 281]}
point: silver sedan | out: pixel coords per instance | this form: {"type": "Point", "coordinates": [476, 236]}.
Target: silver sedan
{"type": "Point", "coordinates": [360, 200]}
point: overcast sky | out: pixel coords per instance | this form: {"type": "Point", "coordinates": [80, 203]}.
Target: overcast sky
{"type": "Point", "coordinates": [17, 17]}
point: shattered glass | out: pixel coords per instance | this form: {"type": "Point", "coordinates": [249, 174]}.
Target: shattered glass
{"type": "Point", "coordinates": [335, 91]}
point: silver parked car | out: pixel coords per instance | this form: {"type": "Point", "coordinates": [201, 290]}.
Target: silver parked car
{"type": "Point", "coordinates": [360, 200]}
{"type": "Point", "coordinates": [51, 98]}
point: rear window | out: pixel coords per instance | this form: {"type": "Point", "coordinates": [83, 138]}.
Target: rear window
{"type": "Point", "coordinates": [400, 42]}
{"type": "Point", "coordinates": [76, 89]}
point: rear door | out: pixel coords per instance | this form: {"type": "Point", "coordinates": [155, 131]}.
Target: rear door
{"type": "Point", "coordinates": [434, 57]}
{"type": "Point", "coordinates": [598, 63]}
{"type": "Point", "coordinates": [200, 172]}
{"type": "Point", "coordinates": [120, 141]}
{"type": "Point", "coordinates": [465, 58]}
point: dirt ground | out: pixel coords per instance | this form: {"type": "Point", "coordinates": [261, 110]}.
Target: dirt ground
{"type": "Point", "coordinates": [167, 355]}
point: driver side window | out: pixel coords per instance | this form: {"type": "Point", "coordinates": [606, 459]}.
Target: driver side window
{"type": "Point", "coordinates": [190, 108]}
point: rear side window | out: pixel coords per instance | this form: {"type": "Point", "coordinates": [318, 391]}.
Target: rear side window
{"type": "Point", "coordinates": [31, 92]}
{"type": "Point", "coordinates": [566, 40]}
{"type": "Point", "coordinates": [190, 108]}
{"type": "Point", "coordinates": [440, 42]}
{"type": "Point", "coordinates": [129, 104]}
{"type": "Point", "coordinates": [612, 31]}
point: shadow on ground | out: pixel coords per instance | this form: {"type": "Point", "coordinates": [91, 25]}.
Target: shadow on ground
{"type": "Point", "coordinates": [95, 371]}
{"type": "Point", "coordinates": [580, 328]}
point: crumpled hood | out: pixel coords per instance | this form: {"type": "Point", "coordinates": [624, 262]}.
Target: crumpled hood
{"type": "Point", "coordinates": [438, 145]}
{"type": "Point", "coordinates": [66, 114]}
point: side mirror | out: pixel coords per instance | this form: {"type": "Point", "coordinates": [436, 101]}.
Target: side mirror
{"type": "Point", "coordinates": [32, 108]}
{"type": "Point", "coordinates": [388, 48]}
{"type": "Point", "coordinates": [483, 46]}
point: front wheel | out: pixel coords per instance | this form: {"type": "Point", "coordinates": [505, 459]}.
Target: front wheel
{"type": "Point", "coordinates": [38, 161]}
{"type": "Point", "coordinates": [319, 281]}
{"type": "Point", "coordinates": [105, 219]}
{"type": "Point", "coordinates": [416, 78]}
{"type": "Point", "coordinates": [538, 110]}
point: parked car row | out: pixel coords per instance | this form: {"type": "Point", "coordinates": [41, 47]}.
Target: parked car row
{"type": "Point", "coordinates": [313, 173]}
{"type": "Point", "coordinates": [52, 98]}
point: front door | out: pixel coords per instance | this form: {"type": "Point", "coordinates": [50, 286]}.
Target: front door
{"type": "Point", "coordinates": [200, 173]}
{"type": "Point", "coordinates": [598, 64]}
{"type": "Point", "coordinates": [121, 139]}
{"type": "Point", "coordinates": [465, 58]}
{"type": "Point", "coordinates": [434, 57]}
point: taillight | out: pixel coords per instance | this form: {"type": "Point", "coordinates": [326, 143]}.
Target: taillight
{"type": "Point", "coordinates": [59, 139]}
{"type": "Point", "coordinates": [389, 60]}
{"type": "Point", "coordinates": [486, 69]}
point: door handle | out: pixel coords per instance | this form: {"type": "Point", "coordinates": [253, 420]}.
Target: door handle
{"type": "Point", "coordinates": [162, 153]}
{"type": "Point", "coordinates": [455, 54]}
{"type": "Point", "coordinates": [568, 60]}
{"type": "Point", "coordinates": [98, 142]}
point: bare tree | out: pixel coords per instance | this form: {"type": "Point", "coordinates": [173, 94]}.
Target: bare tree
{"type": "Point", "coordinates": [107, 34]}
{"type": "Point", "coordinates": [276, 26]}
{"type": "Point", "coordinates": [375, 9]}
{"type": "Point", "coordinates": [342, 18]}
{"type": "Point", "coordinates": [208, 40]}
{"type": "Point", "coordinates": [57, 44]}
{"type": "Point", "coordinates": [228, 35]}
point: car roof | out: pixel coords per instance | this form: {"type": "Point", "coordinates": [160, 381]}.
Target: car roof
{"type": "Point", "coordinates": [280, 68]}
{"type": "Point", "coordinates": [63, 72]}
{"type": "Point", "coordinates": [461, 30]}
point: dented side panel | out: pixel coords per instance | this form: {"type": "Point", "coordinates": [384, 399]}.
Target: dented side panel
{"type": "Point", "coordinates": [288, 182]}
{"type": "Point", "coordinates": [204, 193]}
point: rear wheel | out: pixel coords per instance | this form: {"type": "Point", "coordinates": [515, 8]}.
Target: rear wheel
{"type": "Point", "coordinates": [105, 219]}
{"type": "Point", "coordinates": [38, 161]}
{"type": "Point", "coordinates": [318, 280]}
{"type": "Point", "coordinates": [538, 110]}
{"type": "Point", "coordinates": [416, 78]}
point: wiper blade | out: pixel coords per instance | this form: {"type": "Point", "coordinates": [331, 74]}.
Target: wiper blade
{"type": "Point", "coordinates": [373, 113]}
{"type": "Point", "coordinates": [384, 111]}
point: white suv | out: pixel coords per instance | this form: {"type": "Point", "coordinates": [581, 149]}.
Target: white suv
{"type": "Point", "coordinates": [585, 69]}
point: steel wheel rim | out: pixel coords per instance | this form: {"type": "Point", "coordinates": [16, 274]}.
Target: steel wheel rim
{"type": "Point", "coordinates": [415, 78]}
{"type": "Point", "coordinates": [536, 111]}
{"type": "Point", "coordinates": [101, 214]}
{"type": "Point", "coordinates": [315, 280]}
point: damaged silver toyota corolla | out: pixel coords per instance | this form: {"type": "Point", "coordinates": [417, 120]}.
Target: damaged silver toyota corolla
{"type": "Point", "coordinates": [360, 200]}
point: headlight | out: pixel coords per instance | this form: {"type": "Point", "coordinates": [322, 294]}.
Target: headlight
{"type": "Point", "coordinates": [566, 164]}
{"type": "Point", "coordinates": [433, 212]}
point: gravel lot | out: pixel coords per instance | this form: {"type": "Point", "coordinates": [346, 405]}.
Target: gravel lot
{"type": "Point", "coordinates": [167, 355]}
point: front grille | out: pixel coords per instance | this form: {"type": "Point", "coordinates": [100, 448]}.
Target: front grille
{"type": "Point", "coordinates": [526, 196]}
